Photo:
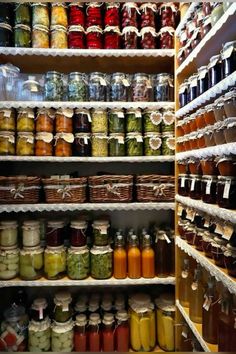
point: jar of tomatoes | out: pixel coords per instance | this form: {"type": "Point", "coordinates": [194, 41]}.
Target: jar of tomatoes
{"type": "Point", "coordinates": [112, 37]}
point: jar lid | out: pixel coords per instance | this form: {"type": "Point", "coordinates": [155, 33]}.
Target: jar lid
{"type": "Point", "coordinates": [46, 137]}
{"type": "Point", "coordinates": [78, 224]}
{"type": "Point", "coordinates": [148, 5]}
{"type": "Point", "coordinates": [108, 318]}
{"type": "Point", "coordinates": [140, 302]}
{"type": "Point", "coordinates": [94, 29]}
{"type": "Point", "coordinates": [78, 250]}
{"type": "Point", "coordinates": [100, 250]}
{"type": "Point", "coordinates": [94, 319]}
{"type": "Point", "coordinates": [76, 28]}
{"type": "Point", "coordinates": [81, 320]}
{"type": "Point", "coordinates": [114, 29]}
{"type": "Point", "coordinates": [67, 112]}
{"type": "Point", "coordinates": [9, 249]}
{"type": "Point", "coordinates": [41, 28]}
{"type": "Point", "coordinates": [122, 315]}
{"type": "Point", "coordinates": [31, 223]}
{"type": "Point", "coordinates": [56, 249]}
{"type": "Point", "coordinates": [31, 250]}
{"type": "Point", "coordinates": [39, 303]}
{"type": "Point", "coordinates": [9, 224]}
{"type": "Point", "coordinates": [53, 73]}
{"type": "Point", "coordinates": [68, 137]}
{"type": "Point", "coordinates": [130, 29]}
{"type": "Point", "coordinates": [166, 302]}
{"type": "Point", "coordinates": [220, 241]}
{"type": "Point", "coordinates": [62, 297]}
{"type": "Point", "coordinates": [59, 4]}
{"type": "Point", "coordinates": [98, 223]}
{"type": "Point", "coordinates": [6, 26]}
{"type": "Point", "coordinates": [56, 224]}
{"type": "Point", "coordinates": [24, 27]}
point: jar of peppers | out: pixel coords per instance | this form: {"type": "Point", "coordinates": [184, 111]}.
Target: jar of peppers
{"type": "Point", "coordinates": [76, 37]}
{"type": "Point", "coordinates": [112, 37]}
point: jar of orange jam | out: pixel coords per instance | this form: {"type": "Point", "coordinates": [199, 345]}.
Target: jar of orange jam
{"type": "Point", "coordinates": [180, 144]}
{"type": "Point", "coordinates": [209, 167]}
{"type": "Point", "coordinates": [186, 125]}
{"type": "Point", "coordinates": [200, 121]}
{"type": "Point", "coordinates": [201, 139]}
{"type": "Point", "coordinates": [182, 167]}
{"type": "Point", "coordinates": [209, 116]}
{"type": "Point", "coordinates": [192, 122]}
{"type": "Point", "coordinates": [193, 141]}
{"type": "Point", "coordinates": [179, 128]}
{"type": "Point", "coordinates": [186, 143]}
{"type": "Point", "coordinates": [194, 167]}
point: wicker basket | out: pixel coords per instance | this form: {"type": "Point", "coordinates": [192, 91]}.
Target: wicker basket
{"type": "Point", "coordinates": [107, 188]}
{"type": "Point", "coordinates": [71, 190]}
{"type": "Point", "coordinates": [155, 188]}
{"type": "Point", "coordinates": [19, 190]}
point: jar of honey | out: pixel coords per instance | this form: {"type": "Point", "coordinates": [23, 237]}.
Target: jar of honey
{"type": "Point", "coordinates": [193, 141]}
{"type": "Point", "coordinates": [209, 184]}
{"type": "Point", "coordinates": [209, 136]}
{"type": "Point", "coordinates": [194, 167]}
{"type": "Point", "coordinates": [43, 144]}
{"type": "Point", "coordinates": [218, 247]}
{"type": "Point", "coordinates": [209, 167]}
{"type": "Point", "coordinates": [179, 128]}
{"type": "Point", "coordinates": [186, 125]}
{"type": "Point", "coordinates": [201, 139]}
{"type": "Point", "coordinates": [200, 121]}
{"type": "Point", "coordinates": [218, 132]}
{"type": "Point", "coordinates": [227, 166]}
{"type": "Point", "coordinates": [192, 122]}
{"type": "Point", "coordinates": [209, 116]}
{"type": "Point", "coordinates": [63, 144]}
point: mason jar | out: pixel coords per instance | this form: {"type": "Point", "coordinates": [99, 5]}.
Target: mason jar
{"type": "Point", "coordinates": [116, 120]}
{"type": "Point", "coordinates": [63, 310]}
{"type": "Point", "coordinates": [117, 144]}
{"type": "Point", "coordinates": [119, 87]}
{"type": "Point", "coordinates": [31, 263]}
{"type": "Point", "coordinates": [101, 262]}
{"type": "Point", "coordinates": [62, 336]}
{"type": "Point", "coordinates": [39, 335]}
{"type": "Point", "coordinates": [77, 87]}
{"type": "Point", "coordinates": [141, 88]}
{"type": "Point", "coordinates": [163, 88]}
{"type": "Point", "coordinates": [31, 233]}
{"type": "Point", "coordinates": [9, 262]}
{"type": "Point", "coordinates": [78, 262]}
{"type": "Point", "coordinates": [152, 144]}
{"type": "Point", "coordinates": [8, 235]}
{"type": "Point", "coordinates": [54, 262]}
{"type": "Point", "coordinates": [7, 143]}
{"type": "Point", "coordinates": [53, 87]}
{"type": "Point", "coordinates": [134, 144]}
{"type": "Point", "coordinates": [101, 232]}
{"type": "Point", "coordinates": [97, 87]}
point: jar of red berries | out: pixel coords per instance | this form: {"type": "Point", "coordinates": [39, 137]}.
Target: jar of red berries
{"type": "Point", "coordinates": [130, 37]}
{"type": "Point", "coordinates": [148, 38]}
{"type": "Point", "coordinates": [166, 38]}
{"type": "Point", "coordinates": [111, 17]}
{"type": "Point", "coordinates": [148, 12]}
{"type": "Point", "coordinates": [94, 37]}
{"type": "Point", "coordinates": [112, 37]}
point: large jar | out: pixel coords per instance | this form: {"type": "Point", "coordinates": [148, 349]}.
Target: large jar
{"type": "Point", "coordinates": [31, 90]}
{"type": "Point", "coordinates": [63, 309]}
{"type": "Point", "coordinates": [99, 121]}
{"type": "Point", "coordinates": [165, 317]}
{"type": "Point", "coordinates": [59, 37]}
{"type": "Point", "coordinates": [142, 323]}
{"type": "Point", "coordinates": [31, 263]}
{"type": "Point", "coordinates": [39, 335]}
{"type": "Point", "coordinates": [63, 144]}
{"type": "Point", "coordinates": [209, 189]}
{"type": "Point", "coordinates": [116, 145]}
{"type": "Point", "coordinates": [40, 37]}
{"type": "Point", "coordinates": [25, 144]}
{"type": "Point", "coordinates": [152, 121]}
{"type": "Point", "coordinates": [44, 120]}
{"type": "Point", "coordinates": [141, 88]}
{"type": "Point", "coordinates": [168, 143]}
{"type": "Point", "coordinates": [54, 262]}
{"type": "Point", "coordinates": [31, 233]}
{"type": "Point", "coordinates": [166, 38]}
{"type": "Point", "coordinates": [97, 87]}
{"type": "Point", "coordinates": [78, 236]}
{"type": "Point", "coordinates": [40, 14]}
{"type": "Point", "coordinates": [9, 262]}
{"type": "Point", "coordinates": [99, 145]}
{"type": "Point", "coordinates": [63, 119]}
{"type": "Point", "coordinates": [133, 121]}
{"type": "Point", "coordinates": [76, 37]}
{"type": "Point", "coordinates": [8, 233]}
{"type": "Point", "coordinates": [116, 121]}
{"type": "Point", "coordinates": [82, 121]}
{"type": "Point", "coordinates": [226, 192]}
{"type": "Point", "coordinates": [78, 262]}
{"type": "Point", "coordinates": [163, 87]}
{"type": "Point", "coordinates": [22, 36]}
{"type": "Point", "coordinates": [152, 144]}
{"type": "Point", "coordinates": [94, 37]}
{"type": "Point", "coordinates": [55, 233]}
{"type": "Point", "coordinates": [228, 56]}
{"type": "Point", "coordinates": [130, 37]}
{"type": "Point", "coordinates": [119, 87]}
{"type": "Point", "coordinates": [43, 144]}
{"type": "Point", "coordinates": [82, 145]}
{"type": "Point", "coordinates": [134, 144]}
{"type": "Point", "coordinates": [101, 262]}
{"type": "Point", "coordinates": [25, 120]}
{"type": "Point", "coordinates": [7, 120]}
{"type": "Point", "coordinates": [62, 337]}
{"type": "Point", "coordinates": [214, 70]}
{"type": "Point", "coordinates": [101, 232]}
{"type": "Point", "coordinates": [77, 87]}
{"type": "Point", "coordinates": [59, 14]}
{"type": "Point", "coordinates": [53, 86]}
{"type": "Point", "coordinates": [112, 37]}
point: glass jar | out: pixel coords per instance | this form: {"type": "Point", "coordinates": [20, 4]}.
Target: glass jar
{"type": "Point", "coordinates": [63, 310]}
{"type": "Point", "coordinates": [78, 236]}
{"type": "Point", "coordinates": [230, 260]}
{"type": "Point", "coordinates": [195, 38]}
{"type": "Point", "coordinates": [39, 310]}
{"type": "Point", "coordinates": [119, 87]}
{"type": "Point", "coordinates": [99, 145]}
{"type": "Point", "coordinates": [31, 263]}
{"type": "Point", "coordinates": [219, 110]}
{"type": "Point", "coordinates": [94, 37]}
{"type": "Point", "coordinates": [62, 336]}
{"type": "Point", "coordinates": [80, 333]}
{"type": "Point", "coordinates": [97, 87]}
{"type": "Point", "coordinates": [6, 12]}
{"type": "Point", "coordinates": [130, 37]}
{"type": "Point", "coordinates": [31, 90]}
{"type": "Point", "coordinates": [82, 145]}
{"type": "Point", "coordinates": [152, 121]}
{"type": "Point", "coordinates": [40, 37]}
{"type": "Point", "coordinates": [59, 14]}
{"type": "Point", "coordinates": [133, 121]}
{"type": "Point", "coordinates": [148, 38]}
{"type": "Point", "coordinates": [9, 82]}
{"type": "Point", "coordinates": [53, 86]}
{"type": "Point", "coordinates": [168, 143]}
{"type": "Point", "coordinates": [111, 17]}
{"type": "Point", "coordinates": [8, 235]}
{"type": "Point", "coordinates": [205, 26]}
{"type": "Point", "coordinates": [166, 38]}
{"type": "Point", "coordinates": [168, 14]}
{"type": "Point", "coordinates": [7, 143]}
{"type": "Point", "coordinates": [94, 15]}
{"type": "Point", "coordinates": [190, 234]}
{"type": "Point", "coordinates": [134, 144]}
{"type": "Point", "coordinates": [31, 233]}
{"type": "Point", "coordinates": [195, 187]}
{"type": "Point", "coordinates": [209, 116]}
{"type": "Point", "coordinates": [193, 87]}
{"type": "Point", "coordinates": [39, 335]}
{"type": "Point", "coordinates": [116, 121]}
{"type": "Point", "coordinates": [55, 233]}
{"type": "Point", "coordinates": [101, 262]}
{"type": "Point", "coordinates": [116, 144]}
{"type": "Point", "coordinates": [44, 121]}
{"type": "Point", "coordinates": [218, 247]}
{"type": "Point", "coordinates": [207, 7]}
{"type": "Point", "coordinates": [43, 144]}
{"type": "Point", "coordinates": [148, 13]}
{"type": "Point", "coordinates": [209, 184]}
{"type": "Point", "coordinates": [183, 93]}
{"type": "Point", "coordinates": [218, 132]}
{"type": "Point", "coordinates": [108, 332]}
{"type": "Point", "coordinates": [162, 264]}
{"type": "Point", "coordinates": [214, 70]}
{"type": "Point", "coordinates": [228, 57]}
{"type": "Point", "coordinates": [152, 144]}
{"type": "Point", "coordinates": [209, 137]}
{"type": "Point", "coordinates": [122, 333]}
{"type": "Point", "coordinates": [82, 121]}
{"type": "Point", "coordinates": [77, 87]}
{"type": "Point", "coordinates": [25, 120]}
{"type": "Point", "coordinates": [226, 192]}
{"type": "Point", "coordinates": [76, 14]}
{"type": "Point", "coordinates": [25, 144]}
{"type": "Point", "coordinates": [163, 87]}
{"type": "Point", "coordinates": [226, 166]}
{"type": "Point", "coordinates": [78, 263]}
{"type": "Point", "coordinates": [168, 120]}
{"type": "Point", "coordinates": [40, 14]}
{"type": "Point", "coordinates": [76, 37]}
{"type": "Point", "coordinates": [5, 35]}
{"type": "Point", "coordinates": [165, 319]}
{"type": "Point", "coordinates": [181, 56]}
{"type": "Point", "coordinates": [111, 37]}
{"type": "Point", "coordinates": [22, 36]}
{"type": "Point", "coordinates": [141, 88]}
{"type": "Point", "coordinates": [7, 120]}
{"type": "Point", "coordinates": [183, 185]}
{"type": "Point", "coordinates": [54, 262]}
{"type": "Point", "coordinates": [63, 121]}
{"type": "Point", "coordinates": [63, 144]}
{"type": "Point", "coordinates": [100, 232]}
{"type": "Point", "coordinates": [209, 167]}
{"type": "Point", "coordinates": [142, 323]}
{"type": "Point", "coordinates": [199, 238]}
{"type": "Point", "coordinates": [202, 80]}
{"type": "Point", "coordinates": [129, 12]}
{"type": "Point", "coordinates": [9, 262]}
{"type": "Point", "coordinates": [230, 104]}
{"type": "Point", "coordinates": [217, 12]}
{"type": "Point", "coordinates": [99, 121]}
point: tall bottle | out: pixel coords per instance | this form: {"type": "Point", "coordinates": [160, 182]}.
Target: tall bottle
{"type": "Point", "coordinates": [94, 335]}
{"type": "Point", "coordinates": [162, 254]}
{"type": "Point", "coordinates": [184, 282]}
{"type": "Point", "coordinates": [108, 333]}
{"type": "Point", "coordinates": [120, 258]}
{"type": "Point", "coordinates": [210, 313]}
{"type": "Point", "coordinates": [196, 293]}
{"type": "Point", "coordinates": [134, 258]}
{"type": "Point", "coordinates": [226, 325]}
{"type": "Point", "coordinates": [148, 258]}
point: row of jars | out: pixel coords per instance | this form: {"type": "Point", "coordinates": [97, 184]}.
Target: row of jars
{"type": "Point", "coordinates": [205, 16]}
{"type": "Point", "coordinates": [219, 67]}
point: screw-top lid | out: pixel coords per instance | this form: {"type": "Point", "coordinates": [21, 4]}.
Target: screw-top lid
{"type": "Point", "coordinates": [122, 315]}
{"type": "Point", "coordinates": [39, 303]}
{"type": "Point", "coordinates": [108, 318]}
{"type": "Point", "coordinates": [81, 320]}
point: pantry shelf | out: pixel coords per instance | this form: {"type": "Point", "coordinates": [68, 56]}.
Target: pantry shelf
{"type": "Point", "coordinates": [187, 15]}
{"type": "Point", "coordinates": [219, 150]}
{"type": "Point", "coordinates": [196, 329]}
{"type": "Point", "coordinates": [209, 95]}
{"type": "Point", "coordinates": [9, 208]}
{"type": "Point", "coordinates": [88, 282]}
{"type": "Point", "coordinates": [211, 209]}
{"type": "Point", "coordinates": [200, 52]}
{"type": "Point", "coordinates": [219, 273]}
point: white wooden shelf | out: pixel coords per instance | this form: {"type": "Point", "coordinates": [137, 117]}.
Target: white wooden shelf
{"type": "Point", "coordinates": [88, 282]}
{"type": "Point", "coordinates": [186, 17]}
{"type": "Point", "coordinates": [196, 329]}
{"type": "Point", "coordinates": [9, 208]}
{"type": "Point", "coordinates": [209, 95]}
{"type": "Point", "coordinates": [219, 150]}
{"type": "Point", "coordinates": [219, 273]}
{"type": "Point", "coordinates": [210, 209]}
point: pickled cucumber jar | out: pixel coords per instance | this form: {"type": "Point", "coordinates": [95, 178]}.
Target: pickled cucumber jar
{"type": "Point", "coordinates": [133, 121]}
{"type": "Point", "coordinates": [168, 143]}
{"type": "Point", "coordinates": [22, 13]}
{"type": "Point", "coordinates": [134, 144]}
{"type": "Point", "coordinates": [53, 86]}
{"type": "Point", "coordinates": [101, 262]}
{"type": "Point", "coordinates": [77, 87]}
{"type": "Point", "coordinates": [99, 145]}
{"type": "Point", "coordinates": [152, 144]}
{"type": "Point", "coordinates": [100, 232]}
{"type": "Point", "coordinates": [142, 323]}
{"type": "Point", "coordinates": [31, 233]}
{"type": "Point", "coordinates": [165, 318]}
{"type": "Point", "coordinates": [8, 233]}
{"type": "Point", "coordinates": [7, 120]}
{"type": "Point", "coordinates": [63, 310]}
{"type": "Point", "coordinates": [9, 262]}
{"type": "Point", "coordinates": [39, 336]}
{"type": "Point", "coordinates": [7, 143]}
{"type": "Point", "coordinates": [152, 121]}
{"type": "Point", "coordinates": [78, 262]}
{"type": "Point", "coordinates": [116, 121]}
{"type": "Point", "coordinates": [31, 263]}
{"type": "Point", "coordinates": [62, 336]}
{"type": "Point", "coordinates": [25, 144]}
{"type": "Point", "coordinates": [168, 120]}
{"type": "Point", "coordinates": [25, 120]}
{"type": "Point", "coordinates": [99, 121]}
{"type": "Point", "coordinates": [54, 262]}
{"type": "Point", "coordinates": [117, 145]}
{"type": "Point", "coordinates": [22, 36]}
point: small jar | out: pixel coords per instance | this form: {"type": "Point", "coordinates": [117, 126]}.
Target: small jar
{"type": "Point", "coordinates": [226, 192]}
{"type": "Point", "coordinates": [119, 87]}
{"type": "Point", "coordinates": [190, 234]}
{"type": "Point", "coordinates": [217, 12]}
{"type": "Point", "coordinates": [133, 121]}
{"type": "Point", "coordinates": [99, 121]}
{"type": "Point", "coordinates": [202, 80]}
{"type": "Point", "coordinates": [99, 145]}
{"type": "Point", "coordinates": [31, 263]}
{"type": "Point", "coordinates": [168, 143]}
{"type": "Point", "coordinates": [218, 247]}
{"type": "Point", "coordinates": [163, 88]}
{"type": "Point", "coordinates": [76, 37]}
{"type": "Point", "coordinates": [40, 37]}
{"type": "Point", "coordinates": [116, 121]}
{"type": "Point", "coordinates": [78, 236]}
{"type": "Point", "coordinates": [43, 144]}
{"type": "Point", "coordinates": [209, 136]}
{"type": "Point", "coordinates": [148, 38]}
{"type": "Point", "coordinates": [55, 233]}
{"type": "Point", "coordinates": [116, 144]}
{"type": "Point", "coordinates": [111, 37]}
{"type": "Point", "coordinates": [130, 37]}
{"type": "Point", "coordinates": [201, 139]}
{"type": "Point", "coordinates": [25, 144]}
{"type": "Point", "coordinates": [182, 167]}
{"type": "Point", "coordinates": [39, 310]}
{"type": "Point", "coordinates": [59, 14]}
{"type": "Point", "coordinates": [63, 310]}
{"type": "Point", "coordinates": [134, 144]}
{"type": "Point", "coordinates": [53, 86]}
{"type": "Point", "coordinates": [230, 104]}
{"type": "Point", "coordinates": [78, 263]}
{"type": "Point", "coordinates": [82, 145]}
{"type": "Point", "coordinates": [228, 57]}
{"type": "Point", "coordinates": [101, 262]}
{"type": "Point", "coordinates": [198, 239]}
{"type": "Point", "coordinates": [82, 121]}
{"type": "Point", "coordinates": [166, 38]}
{"type": "Point", "coordinates": [230, 260]}
{"type": "Point", "coordinates": [76, 14]}
{"type": "Point", "coordinates": [205, 26]}
{"type": "Point", "coordinates": [209, 184]}
{"type": "Point", "coordinates": [44, 121]}
{"type": "Point", "coordinates": [141, 88]}
{"type": "Point", "coordinates": [192, 139]}
{"type": "Point", "coordinates": [77, 87]}
{"type": "Point", "coordinates": [206, 244]}
{"type": "Point", "coordinates": [182, 225]}
{"type": "Point", "coordinates": [25, 120]}
{"type": "Point", "coordinates": [8, 235]}
{"type": "Point", "coordinates": [7, 120]}
{"type": "Point", "coordinates": [31, 233]}
{"type": "Point", "coordinates": [22, 36]}
{"type": "Point", "coordinates": [148, 13]}
{"type": "Point", "coordinates": [196, 38]}
{"type": "Point", "coordinates": [62, 337]}
{"type": "Point", "coordinates": [100, 232]}
{"type": "Point", "coordinates": [214, 70]}
{"type": "Point", "coordinates": [152, 144]}
{"type": "Point", "coordinates": [40, 14]}
{"type": "Point", "coordinates": [193, 87]}
{"type": "Point", "coordinates": [209, 116]}
{"type": "Point", "coordinates": [195, 187]}
{"type": "Point", "coordinates": [7, 143]}
{"type": "Point", "coordinates": [5, 34]}
{"type": "Point", "coordinates": [63, 144]}
{"type": "Point", "coordinates": [94, 37]}
{"type": "Point", "coordinates": [63, 121]}
{"type": "Point", "coordinates": [152, 121]}
{"type": "Point", "coordinates": [9, 262]}
{"type": "Point", "coordinates": [192, 122]}
{"type": "Point", "coordinates": [227, 166]}
{"type": "Point", "coordinates": [97, 87]}
{"type": "Point", "coordinates": [39, 335]}
{"type": "Point", "coordinates": [183, 185]}
{"type": "Point", "coordinates": [219, 110]}
{"type": "Point", "coordinates": [186, 125]}
{"type": "Point", "coordinates": [209, 167]}
{"type": "Point", "coordinates": [183, 93]}
{"type": "Point", "coordinates": [54, 262]}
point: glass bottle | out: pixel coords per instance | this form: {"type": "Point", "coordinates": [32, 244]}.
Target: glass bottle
{"type": "Point", "coordinates": [120, 258]}
{"type": "Point", "coordinates": [94, 336]}
{"type": "Point", "coordinates": [122, 332]}
{"type": "Point", "coordinates": [196, 293]}
{"type": "Point", "coordinates": [226, 327]}
{"type": "Point", "coordinates": [184, 284]}
{"type": "Point", "coordinates": [148, 258]}
{"type": "Point", "coordinates": [108, 340]}
{"type": "Point", "coordinates": [39, 310]}
{"type": "Point", "coordinates": [80, 335]}
{"type": "Point", "coordinates": [134, 258]}
{"type": "Point", "coordinates": [161, 253]}
{"type": "Point", "coordinates": [39, 335]}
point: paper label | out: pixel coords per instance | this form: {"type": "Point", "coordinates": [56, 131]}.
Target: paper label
{"type": "Point", "coordinates": [120, 114]}
{"type": "Point", "coordinates": [89, 117]}
{"type": "Point", "coordinates": [103, 230]}
{"type": "Point", "coordinates": [121, 140]}
{"type": "Point", "coordinates": [7, 113]}
{"type": "Point", "coordinates": [138, 114]}
{"type": "Point", "coordinates": [184, 274]}
{"type": "Point", "coordinates": [139, 139]}
{"type": "Point", "coordinates": [194, 286]}
{"type": "Point", "coordinates": [167, 238]}
{"type": "Point", "coordinates": [179, 210]}
{"type": "Point", "coordinates": [103, 82]}
{"type": "Point", "coordinates": [219, 229]}
{"type": "Point", "coordinates": [182, 182]}
{"type": "Point", "coordinates": [126, 83]}
{"type": "Point", "coordinates": [207, 303]}
{"type": "Point", "coordinates": [184, 334]}
{"type": "Point", "coordinates": [40, 313]}
{"type": "Point", "coordinates": [65, 307]}
{"type": "Point", "coordinates": [208, 187]}
{"type": "Point", "coordinates": [86, 140]}
{"type": "Point", "coordinates": [226, 189]}
{"type": "Point", "coordinates": [192, 215]}
{"type": "Point", "coordinates": [192, 184]}
{"type": "Point", "coordinates": [207, 221]}
{"type": "Point", "coordinates": [228, 231]}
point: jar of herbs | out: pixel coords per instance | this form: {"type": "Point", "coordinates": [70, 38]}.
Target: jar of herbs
{"type": "Point", "coordinates": [101, 262]}
{"type": "Point", "coordinates": [7, 120]}
{"type": "Point", "coordinates": [133, 121]}
{"type": "Point", "coordinates": [152, 121]}
{"type": "Point", "coordinates": [53, 87]}
{"type": "Point", "coordinates": [77, 87]}
{"type": "Point", "coordinates": [141, 88]}
{"type": "Point", "coordinates": [152, 144]}
{"type": "Point", "coordinates": [7, 143]}
{"type": "Point", "coordinates": [116, 121]}
{"type": "Point", "coordinates": [25, 144]}
{"type": "Point", "coordinates": [101, 232]}
{"type": "Point", "coordinates": [99, 145]}
{"type": "Point", "coordinates": [168, 143]}
{"type": "Point", "coordinates": [99, 121]}
{"type": "Point", "coordinates": [78, 262]}
{"type": "Point", "coordinates": [134, 144]}
{"type": "Point", "coordinates": [116, 144]}
{"type": "Point", "coordinates": [63, 310]}
{"type": "Point", "coordinates": [97, 87]}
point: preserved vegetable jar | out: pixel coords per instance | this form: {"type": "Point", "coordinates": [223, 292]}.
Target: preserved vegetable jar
{"type": "Point", "coordinates": [162, 242]}
{"type": "Point", "coordinates": [54, 262]}
{"type": "Point", "coordinates": [63, 120]}
{"type": "Point", "coordinates": [214, 70]}
{"type": "Point", "coordinates": [62, 336]}
{"type": "Point", "coordinates": [63, 144]}
{"type": "Point", "coordinates": [76, 37]}
{"type": "Point", "coordinates": [142, 323]}
{"type": "Point", "coordinates": [108, 332]}
{"type": "Point", "coordinates": [165, 319]}
{"type": "Point", "coordinates": [63, 309]}
{"type": "Point", "coordinates": [80, 333]}
{"type": "Point", "coordinates": [78, 262]}
{"type": "Point", "coordinates": [101, 232]}
{"type": "Point", "coordinates": [76, 14]}
{"type": "Point", "coordinates": [97, 87]}
{"type": "Point", "coordinates": [25, 120]}
{"type": "Point", "coordinates": [152, 121]}
{"type": "Point", "coordinates": [116, 144]}
{"type": "Point", "coordinates": [94, 334]}
{"type": "Point", "coordinates": [40, 14]}
{"type": "Point", "coordinates": [217, 12]}
{"type": "Point", "coordinates": [39, 310]}
{"type": "Point", "coordinates": [7, 143]}
{"type": "Point", "coordinates": [130, 37]}
{"type": "Point", "coordinates": [40, 37]}
{"type": "Point", "coordinates": [116, 121]}
{"type": "Point", "coordinates": [94, 37]}
{"type": "Point", "coordinates": [101, 262]}
{"type": "Point", "coordinates": [31, 263]}
{"type": "Point", "coordinates": [44, 121]}
{"type": "Point", "coordinates": [230, 260]}
{"type": "Point", "coordinates": [112, 37]}
{"type": "Point", "coordinates": [168, 120]}
{"type": "Point", "coordinates": [94, 15]}
{"type": "Point", "coordinates": [129, 13]}
{"type": "Point", "coordinates": [5, 35]}
{"type": "Point", "coordinates": [59, 14]}
{"type": "Point", "coordinates": [22, 36]}
{"type": "Point", "coordinates": [168, 143]}
{"type": "Point", "coordinates": [133, 121]}
{"type": "Point", "coordinates": [163, 87]}
{"type": "Point", "coordinates": [9, 262]}
{"type": "Point", "coordinates": [148, 38]}
{"type": "Point", "coordinates": [39, 335]}
{"type": "Point", "coordinates": [119, 87]}
{"type": "Point", "coordinates": [134, 144]}
{"type": "Point", "coordinates": [82, 121]}
{"type": "Point", "coordinates": [209, 184]}
{"type": "Point", "coordinates": [53, 86]}
{"type": "Point", "coordinates": [226, 192]}
{"type": "Point", "coordinates": [228, 56]}
{"type": "Point", "coordinates": [25, 144]}
{"type": "Point", "coordinates": [122, 333]}
{"type": "Point", "coordinates": [59, 37]}
{"type": "Point", "coordinates": [99, 121]}
{"type": "Point", "coordinates": [168, 14]}
{"type": "Point", "coordinates": [7, 120]}
{"type": "Point", "coordinates": [43, 144]}
{"type": "Point", "coordinates": [82, 145]}
{"type": "Point", "coordinates": [55, 233]}
{"type": "Point", "coordinates": [166, 38]}
{"type": "Point", "coordinates": [22, 14]}
{"type": "Point", "coordinates": [112, 14]}
{"type": "Point", "coordinates": [31, 233]}
{"type": "Point", "coordinates": [141, 88]}
{"type": "Point", "coordinates": [99, 145]}
{"type": "Point", "coordinates": [8, 235]}
{"type": "Point", "coordinates": [205, 26]}
{"type": "Point", "coordinates": [77, 87]}
{"type": "Point", "coordinates": [148, 13]}
{"type": "Point", "coordinates": [78, 236]}
{"type": "Point", "coordinates": [152, 144]}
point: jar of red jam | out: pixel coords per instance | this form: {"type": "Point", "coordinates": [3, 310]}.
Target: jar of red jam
{"type": "Point", "coordinates": [206, 243]}
{"type": "Point", "coordinates": [207, 7]}
{"type": "Point", "coordinates": [82, 145]}
{"type": "Point", "coordinates": [76, 14]}
{"type": "Point", "coordinates": [94, 14]}
{"type": "Point", "coordinates": [205, 26]}
{"type": "Point", "coordinates": [227, 166]}
{"type": "Point", "coordinates": [226, 192]}
{"type": "Point", "coordinates": [183, 185]}
{"type": "Point", "coordinates": [209, 116]}
{"type": "Point", "coordinates": [166, 37]}
{"type": "Point", "coordinates": [183, 93]}
{"type": "Point", "coordinates": [219, 110]}
{"type": "Point", "coordinates": [78, 237]}
{"type": "Point", "coordinates": [229, 101]}
{"type": "Point", "coordinates": [94, 37]}
{"type": "Point", "coordinates": [130, 37]}
{"type": "Point", "coordinates": [195, 187]}
{"type": "Point", "coordinates": [198, 239]}
{"type": "Point", "coordinates": [182, 226]}
{"type": "Point", "coordinates": [214, 70]}
{"type": "Point", "coordinates": [148, 38]}
{"type": "Point", "coordinates": [218, 247]}
{"type": "Point", "coordinates": [111, 17]}
{"type": "Point", "coordinates": [209, 167]}
{"type": "Point", "coordinates": [209, 184]}
{"type": "Point", "coordinates": [112, 37]}
{"type": "Point", "coordinates": [182, 167]}
{"type": "Point", "coordinates": [202, 80]}
{"type": "Point", "coordinates": [181, 56]}
{"type": "Point", "coordinates": [55, 233]}
{"type": "Point", "coordinates": [148, 13]}
{"type": "Point", "coordinates": [129, 14]}
{"type": "Point", "coordinates": [209, 136]}
{"type": "Point", "coordinates": [230, 260]}
{"type": "Point", "coordinates": [190, 235]}
{"type": "Point", "coordinates": [76, 37]}
{"type": "Point", "coordinates": [219, 136]}
{"type": "Point", "coordinates": [193, 87]}
{"type": "Point", "coordinates": [82, 121]}
{"type": "Point", "coordinates": [196, 38]}
{"type": "Point", "coordinates": [228, 56]}
{"type": "Point", "coordinates": [194, 167]}
{"type": "Point", "coordinates": [167, 13]}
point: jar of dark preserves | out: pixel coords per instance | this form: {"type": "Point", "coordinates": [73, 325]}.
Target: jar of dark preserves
{"type": "Point", "coordinates": [166, 38]}
{"type": "Point", "coordinates": [82, 121]}
{"type": "Point", "coordinates": [205, 26]}
{"type": "Point", "coordinates": [112, 14]}
{"type": "Point", "coordinates": [6, 13]}
{"type": "Point", "coordinates": [119, 87]}
{"type": "Point", "coordinates": [198, 239]}
{"type": "Point", "coordinates": [228, 56]}
{"type": "Point", "coordinates": [230, 260]}
{"type": "Point", "coordinates": [55, 233]}
{"type": "Point", "coordinates": [183, 185]}
{"type": "Point", "coordinates": [76, 14]}
{"type": "Point", "coordinates": [163, 88]}
{"type": "Point", "coordinates": [190, 27]}
{"type": "Point", "coordinates": [226, 192]}
{"type": "Point", "coordinates": [207, 7]}
{"type": "Point", "coordinates": [202, 80]}
{"type": "Point", "coordinates": [76, 37]}
{"type": "Point", "coordinates": [148, 14]}
{"type": "Point", "coordinates": [193, 87]}
{"type": "Point", "coordinates": [190, 234]}
{"type": "Point", "coordinates": [218, 247]}
{"type": "Point", "coordinates": [182, 226]}
{"type": "Point", "coordinates": [5, 35]}
{"type": "Point", "coordinates": [130, 37]}
{"type": "Point", "coordinates": [206, 243]}
{"type": "Point", "coordinates": [78, 235]}
{"type": "Point", "coordinates": [168, 14]}
{"type": "Point", "coordinates": [227, 166]}
{"type": "Point", "coordinates": [183, 37]}
{"type": "Point", "coordinates": [183, 93]}
{"type": "Point", "coordinates": [148, 38]}
{"type": "Point", "coordinates": [129, 13]}
{"type": "Point", "coordinates": [214, 70]}
{"type": "Point", "coordinates": [187, 49]}
{"type": "Point", "coordinates": [39, 310]}
{"type": "Point", "coordinates": [195, 187]}
{"type": "Point", "coordinates": [209, 184]}
{"type": "Point", "coordinates": [199, 15]}
{"type": "Point", "coordinates": [181, 56]}
{"type": "Point", "coordinates": [82, 144]}
{"type": "Point", "coordinates": [111, 36]}
{"type": "Point", "coordinates": [94, 14]}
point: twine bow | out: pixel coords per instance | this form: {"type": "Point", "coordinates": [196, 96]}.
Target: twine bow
{"type": "Point", "coordinates": [159, 190]}
{"type": "Point", "coordinates": [16, 192]}
{"type": "Point", "coordinates": [112, 189]}
{"type": "Point", "coordinates": [65, 192]}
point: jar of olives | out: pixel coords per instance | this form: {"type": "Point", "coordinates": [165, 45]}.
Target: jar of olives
{"type": "Point", "coordinates": [62, 336]}
{"type": "Point", "coordinates": [7, 120]}
{"type": "Point", "coordinates": [99, 145]}
{"type": "Point", "coordinates": [43, 144]}
{"type": "Point", "coordinates": [101, 262]}
{"type": "Point", "coordinates": [78, 263]}
{"type": "Point", "coordinates": [25, 144]}
{"type": "Point", "coordinates": [99, 121]}
{"type": "Point", "coordinates": [152, 121]}
{"type": "Point", "coordinates": [133, 121]}
{"type": "Point", "coordinates": [59, 37]}
{"type": "Point", "coordinates": [54, 262]}
{"type": "Point", "coordinates": [44, 120]}
{"type": "Point", "coordinates": [168, 143]}
{"type": "Point", "coordinates": [77, 87]}
{"type": "Point", "coordinates": [22, 36]}
{"type": "Point", "coordinates": [82, 144]}
{"type": "Point", "coordinates": [63, 144]}
{"type": "Point", "coordinates": [63, 310]}
{"type": "Point", "coordinates": [31, 263]}
{"type": "Point", "coordinates": [168, 120]}
{"type": "Point", "coordinates": [82, 121]}
{"type": "Point", "coordinates": [7, 143]}
{"type": "Point", "coordinates": [152, 144]}
{"type": "Point", "coordinates": [9, 262]}
{"type": "Point", "coordinates": [97, 88]}
{"type": "Point", "coordinates": [119, 87]}
{"type": "Point", "coordinates": [39, 335]}
{"type": "Point", "coordinates": [141, 88]}
{"type": "Point", "coordinates": [53, 87]}
{"type": "Point", "coordinates": [163, 88]}
{"type": "Point", "coordinates": [64, 121]}
{"type": "Point", "coordinates": [116, 121]}
{"type": "Point", "coordinates": [8, 235]}
{"type": "Point", "coordinates": [116, 144]}
{"type": "Point", "coordinates": [134, 144]}
{"type": "Point", "coordinates": [100, 232]}
{"type": "Point", "coordinates": [25, 120]}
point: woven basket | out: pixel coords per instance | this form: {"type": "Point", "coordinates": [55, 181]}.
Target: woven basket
{"type": "Point", "coordinates": [155, 188]}
{"type": "Point", "coordinates": [19, 190]}
{"type": "Point", "coordinates": [106, 188]}
{"type": "Point", "coordinates": [72, 190]}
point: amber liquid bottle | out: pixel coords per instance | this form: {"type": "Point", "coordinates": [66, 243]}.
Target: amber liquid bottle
{"type": "Point", "coordinates": [196, 296]}
{"type": "Point", "coordinates": [120, 258]}
{"type": "Point", "coordinates": [134, 258]}
{"type": "Point", "coordinates": [184, 281]}
{"type": "Point", "coordinates": [148, 258]}
{"type": "Point", "coordinates": [162, 254]}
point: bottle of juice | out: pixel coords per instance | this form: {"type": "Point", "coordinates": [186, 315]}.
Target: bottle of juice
{"type": "Point", "coordinates": [120, 258]}
{"type": "Point", "coordinates": [148, 258]}
{"type": "Point", "coordinates": [196, 293]}
{"type": "Point", "coordinates": [184, 281]}
{"type": "Point", "coordinates": [162, 242]}
{"type": "Point", "coordinates": [134, 258]}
